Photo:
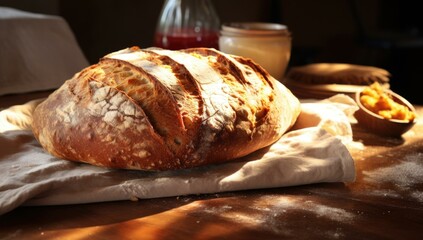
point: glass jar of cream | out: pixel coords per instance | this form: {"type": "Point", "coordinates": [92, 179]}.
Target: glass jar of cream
{"type": "Point", "coordinates": [268, 44]}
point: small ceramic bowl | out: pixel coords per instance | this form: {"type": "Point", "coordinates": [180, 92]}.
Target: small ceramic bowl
{"type": "Point", "coordinates": [382, 126]}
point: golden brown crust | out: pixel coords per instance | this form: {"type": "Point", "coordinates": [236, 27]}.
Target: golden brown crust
{"type": "Point", "coordinates": [338, 73]}
{"type": "Point", "coordinates": [90, 122]}
{"type": "Point", "coordinates": [156, 109]}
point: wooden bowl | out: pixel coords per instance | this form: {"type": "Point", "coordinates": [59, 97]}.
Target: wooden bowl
{"type": "Point", "coordinates": [382, 126]}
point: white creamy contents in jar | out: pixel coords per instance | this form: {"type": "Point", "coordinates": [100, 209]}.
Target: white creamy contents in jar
{"type": "Point", "coordinates": [268, 44]}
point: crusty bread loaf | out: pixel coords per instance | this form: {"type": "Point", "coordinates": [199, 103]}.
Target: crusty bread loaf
{"type": "Point", "coordinates": [157, 109]}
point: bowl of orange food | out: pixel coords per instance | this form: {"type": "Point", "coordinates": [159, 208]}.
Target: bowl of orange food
{"type": "Point", "coordinates": [384, 112]}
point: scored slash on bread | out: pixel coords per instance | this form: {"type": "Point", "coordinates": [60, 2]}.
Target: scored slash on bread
{"type": "Point", "coordinates": [157, 109]}
{"type": "Point", "coordinates": [172, 109]}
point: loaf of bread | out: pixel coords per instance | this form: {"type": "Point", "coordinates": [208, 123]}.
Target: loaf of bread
{"type": "Point", "coordinates": [157, 109]}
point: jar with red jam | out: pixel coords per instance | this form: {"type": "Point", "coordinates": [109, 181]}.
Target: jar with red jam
{"type": "Point", "coordinates": [186, 24]}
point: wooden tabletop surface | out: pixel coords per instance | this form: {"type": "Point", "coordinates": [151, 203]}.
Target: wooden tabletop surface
{"type": "Point", "coordinates": [385, 202]}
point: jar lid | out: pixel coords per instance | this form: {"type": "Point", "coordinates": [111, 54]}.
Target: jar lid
{"type": "Point", "coordinates": [254, 29]}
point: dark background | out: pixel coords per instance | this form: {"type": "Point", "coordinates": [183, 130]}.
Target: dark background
{"type": "Point", "coordinates": [381, 33]}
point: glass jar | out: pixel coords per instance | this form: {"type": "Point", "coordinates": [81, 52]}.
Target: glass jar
{"type": "Point", "coordinates": [187, 23]}
{"type": "Point", "coordinates": [268, 44]}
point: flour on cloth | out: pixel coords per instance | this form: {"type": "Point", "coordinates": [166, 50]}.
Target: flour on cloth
{"type": "Point", "coordinates": [313, 152]}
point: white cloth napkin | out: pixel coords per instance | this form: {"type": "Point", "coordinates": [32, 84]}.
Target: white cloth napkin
{"type": "Point", "coordinates": [37, 52]}
{"type": "Point", "coordinates": [312, 152]}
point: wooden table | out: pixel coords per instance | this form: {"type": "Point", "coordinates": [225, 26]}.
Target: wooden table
{"type": "Point", "coordinates": [385, 202]}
